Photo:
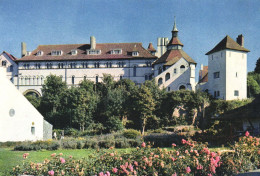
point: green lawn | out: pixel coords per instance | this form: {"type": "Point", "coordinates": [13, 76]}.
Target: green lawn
{"type": "Point", "coordinates": [9, 158]}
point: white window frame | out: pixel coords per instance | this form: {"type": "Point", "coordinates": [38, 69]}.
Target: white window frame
{"type": "Point", "coordinates": [135, 53]}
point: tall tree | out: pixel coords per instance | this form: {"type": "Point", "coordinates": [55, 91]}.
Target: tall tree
{"type": "Point", "coordinates": [257, 66]}
{"type": "Point", "coordinates": [51, 93]}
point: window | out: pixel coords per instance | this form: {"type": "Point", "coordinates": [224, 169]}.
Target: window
{"type": "Point", "coordinates": [236, 93]}
{"type": "Point", "coordinates": [216, 94]}
{"type": "Point", "coordinates": [121, 77]}
{"type": "Point", "coordinates": [148, 63]}
{"type": "Point", "coordinates": [121, 64]}
{"type": "Point", "coordinates": [3, 63]}
{"type": "Point", "coordinates": [236, 74]}
{"type": "Point", "coordinates": [33, 130]}
{"type": "Point", "coordinates": [175, 71]}
{"type": "Point", "coordinates": [216, 75]}
{"type": "Point", "coordinates": [84, 65]}
{"type": "Point", "coordinates": [49, 65]}
{"type": "Point", "coordinates": [33, 82]}
{"type": "Point", "coordinates": [146, 77]}
{"type": "Point", "coordinates": [169, 89]}
{"type": "Point", "coordinates": [73, 80]}
{"type": "Point", "coordinates": [37, 65]}
{"type": "Point", "coordinates": [74, 52]}
{"type": "Point", "coordinates": [116, 51]}
{"type": "Point", "coordinates": [135, 53]}
{"type": "Point", "coordinates": [56, 53]}
{"type": "Point", "coordinates": [96, 79]}
{"type": "Point", "coordinates": [160, 70]}
{"type": "Point", "coordinates": [160, 81]}
{"type": "Point", "coordinates": [182, 87]}
{"type": "Point", "coordinates": [167, 76]}
{"type": "Point", "coordinates": [93, 52]}
{"type": "Point", "coordinates": [182, 68]}
{"type": "Point", "coordinates": [85, 78]}
{"type": "Point", "coordinates": [134, 71]}
{"type": "Point", "coordinates": [39, 53]}
{"type": "Point", "coordinates": [96, 64]}
{"type": "Point", "coordinates": [11, 68]}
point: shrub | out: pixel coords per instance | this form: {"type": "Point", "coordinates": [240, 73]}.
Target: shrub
{"type": "Point", "coordinates": [69, 143]}
{"type": "Point", "coordinates": [163, 140]}
{"type": "Point", "coordinates": [71, 132]}
{"type": "Point", "coordinates": [131, 133]}
{"type": "Point", "coordinates": [38, 145]}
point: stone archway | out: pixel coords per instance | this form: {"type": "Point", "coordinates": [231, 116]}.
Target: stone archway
{"type": "Point", "coordinates": [32, 92]}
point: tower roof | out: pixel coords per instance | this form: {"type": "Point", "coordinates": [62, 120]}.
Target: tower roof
{"type": "Point", "coordinates": [227, 43]}
{"type": "Point", "coordinates": [174, 40]}
{"type": "Point", "coordinates": [150, 47]}
{"type": "Point", "coordinates": [170, 57]}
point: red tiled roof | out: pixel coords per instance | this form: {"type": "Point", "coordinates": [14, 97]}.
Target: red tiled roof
{"type": "Point", "coordinates": [150, 47]}
{"type": "Point", "coordinates": [10, 56]}
{"type": "Point", "coordinates": [227, 43]}
{"type": "Point", "coordinates": [175, 41]}
{"type": "Point", "coordinates": [127, 49]}
{"type": "Point", "coordinates": [203, 74]}
{"type": "Point", "coordinates": [170, 57]}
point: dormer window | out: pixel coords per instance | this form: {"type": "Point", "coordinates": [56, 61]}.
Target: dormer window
{"type": "Point", "coordinates": [28, 53]}
{"type": "Point", "coordinates": [135, 53]}
{"type": "Point", "coordinates": [39, 53]}
{"type": "Point", "coordinates": [74, 52]}
{"type": "Point", "coordinates": [56, 53]}
{"type": "Point", "coordinates": [93, 52]}
{"type": "Point", "coordinates": [116, 51]}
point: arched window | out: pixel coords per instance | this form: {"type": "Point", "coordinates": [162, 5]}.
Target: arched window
{"type": "Point", "coordinates": [134, 71]}
{"type": "Point", "coordinates": [175, 71]}
{"type": "Point", "coordinates": [160, 80]}
{"type": "Point", "coordinates": [121, 77]}
{"type": "Point", "coordinates": [33, 80]}
{"type": "Point", "coordinates": [182, 87]}
{"type": "Point", "coordinates": [85, 78]}
{"type": "Point", "coordinates": [73, 79]}
{"type": "Point", "coordinates": [29, 80]}
{"type": "Point", "coordinates": [21, 81]}
{"type": "Point", "coordinates": [37, 80]}
{"type": "Point", "coordinates": [26, 80]}
{"type": "Point", "coordinates": [167, 76]}
{"type": "Point", "coordinates": [96, 79]}
{"type": "Point", "coordinates": [160, 70]}
{"type": "Point", "coordinates": [182, 68]}
{"type": "Point", "coordinates": [42, 80]}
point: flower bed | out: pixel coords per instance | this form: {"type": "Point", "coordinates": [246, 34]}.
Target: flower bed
{"type": "Point", "coordinates": [190, 158]}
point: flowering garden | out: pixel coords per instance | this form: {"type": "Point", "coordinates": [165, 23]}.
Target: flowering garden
{"type": "Point", "coordinates": [189, 158]}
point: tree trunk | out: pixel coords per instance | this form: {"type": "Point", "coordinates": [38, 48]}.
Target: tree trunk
{"type": "Point", "coordinates": [144, 123]}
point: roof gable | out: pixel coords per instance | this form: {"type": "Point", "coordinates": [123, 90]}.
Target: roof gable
{"type": "Point", "coordinates": [170, 57]}
{"type": "Point", "coordinates": [227, 43]}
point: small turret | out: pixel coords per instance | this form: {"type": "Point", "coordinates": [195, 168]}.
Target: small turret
{"type": "Point", "coordinates": [23, 49]}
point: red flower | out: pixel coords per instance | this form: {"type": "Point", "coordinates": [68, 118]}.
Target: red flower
{"type": "Point", "coordinates": [143, 145]}
{"type": "Point", "coordinates": [183, 141]}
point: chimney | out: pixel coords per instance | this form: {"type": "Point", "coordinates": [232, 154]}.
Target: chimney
{"type": "Point", "coordinates": [92, 42]}
{"type": "Point", "coordinates": [201, 67]}
{"type": "Point", "coordinates": [240, 40]}
{"type": "Point", "coordinates": [23, 49]}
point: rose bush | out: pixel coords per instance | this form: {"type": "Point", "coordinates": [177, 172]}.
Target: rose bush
{"type": "Point", "coordinates": [190, 158]}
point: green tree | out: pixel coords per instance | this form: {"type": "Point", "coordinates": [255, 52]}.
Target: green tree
{"type": "Point", "coordinates": [257, 66]}
{"type": "Point", "coordinates": [253, 87]}
{"type": "Point", "coordinates": [52, 90]}
{"type": "Point", "coordinates": [144, 104]}
{"type": "Point", "coordinates": [35, 101]}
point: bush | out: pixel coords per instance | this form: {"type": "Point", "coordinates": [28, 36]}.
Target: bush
{"type": "Point", "coordinates": [71, 132]}
{"type": "Point", "coordinates": [163, 140]}
{"type": "Point", "coordinates": [131, 133]}
{"type": "Point", "coordinates": [37, 145]}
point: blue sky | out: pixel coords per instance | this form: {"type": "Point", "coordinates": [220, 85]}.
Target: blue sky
{"type": "Point", "coordinates": [201, 23]}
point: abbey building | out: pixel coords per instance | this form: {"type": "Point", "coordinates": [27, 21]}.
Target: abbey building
{"type": "Point", "coordinates": [170, 66]}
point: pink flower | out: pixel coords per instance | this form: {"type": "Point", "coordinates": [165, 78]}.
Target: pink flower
{"type": "Point", "coordinates": [247, 134]}
{"type": "Point", "coordinates": [112, 154]}
{"type": "Point", "coordinates": [212, 154]}
{"type": "Point", "coordinates": [108, 173]}
{"type": "Point", "coordinates": [183, 141]}
{"type": "Point", "coordinates": [173, 145]}
{"type": "Point", "coordinates": [114, 170]}
{"type": "Point", "coordinates": [101, 174]}
{"type": "Point", "coordinates": [174, 174]}
{"type": "Point", "coordinates": [51, 172]}
{"type": "Point", "coordinates": [173, 159]}
{"type": "Point", "coordinates": [62, 160]}
{"type": "Point", "coordinates": [136, 163]}
{"type": "Point", "coordinates": [187, 170]}
{"type": "Point", "coordinates": [54, 154]}
{"type": "Point", "coordinates": [143, 145]}
{"type": "Point", "coordinates": [25, 155]}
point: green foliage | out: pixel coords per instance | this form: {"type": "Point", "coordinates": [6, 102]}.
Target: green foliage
{"type": "Point", "coordinates": [131, 133]}
{"type": "Point", "coordinates": [257, 66]}
{"type": "Point", "coordinates": [253, 84]}
{"type": "Point", "coordinates": [35, 101]}
{"type": "Point", "coordinates": [38, 145]}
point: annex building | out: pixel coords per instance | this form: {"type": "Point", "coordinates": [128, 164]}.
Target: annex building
{"type": "Point", "coordinates": [171, 67]}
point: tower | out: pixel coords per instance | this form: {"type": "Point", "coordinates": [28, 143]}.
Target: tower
{"type": "Point", "coordinates": [227, 69]}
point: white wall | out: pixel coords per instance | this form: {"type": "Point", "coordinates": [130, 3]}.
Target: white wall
{"type": "Point", "coordinates": [18, 126]}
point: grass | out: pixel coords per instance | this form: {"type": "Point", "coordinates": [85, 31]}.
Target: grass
{"type": "Point", "coordinates": [10, 158]}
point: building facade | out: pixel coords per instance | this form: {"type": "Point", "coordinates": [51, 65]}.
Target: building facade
{"type": "Point", "coordinates": [227, 70]}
